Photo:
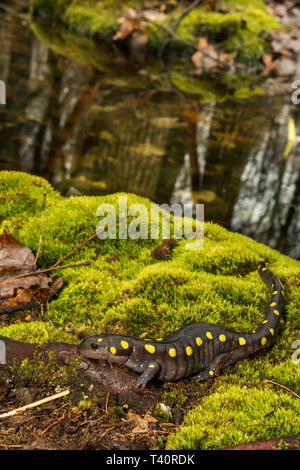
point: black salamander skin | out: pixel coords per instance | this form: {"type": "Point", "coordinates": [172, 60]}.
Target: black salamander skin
{"type": "Point", "coordinates": [199, 350]}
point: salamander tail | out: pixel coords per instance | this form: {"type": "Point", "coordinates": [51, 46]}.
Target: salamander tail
{"type": "Point", "coordinates": [268, 329]}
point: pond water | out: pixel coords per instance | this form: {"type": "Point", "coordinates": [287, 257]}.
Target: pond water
{"type": "Point", "coordinates": [94, 121]}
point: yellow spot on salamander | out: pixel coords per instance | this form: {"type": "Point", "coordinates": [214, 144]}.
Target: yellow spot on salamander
{"type": "Point", "coordinates": [275, 292]}
{"type": "Point", "coordinates": [242, 341]}
{"type": "Point", "coordinates": [189, 350]}
{"type": "Point", "coordinates": [273, 304]}
{"type": "Point", "coordinates": [124, 344]}
{"type": "Point", "coordinates": [263, 340]}
{"type": "Point", "coordinates": [99, 340]}
{"type": "Point", "coordinates": [265, 321]}
{"type": "Point", "coordinates": [264, 269]}
{"type": "Point", "coordinates": [198, 341]}
{"type": "Point", "coordinates": [222, 338]}
{"type": "Point", "coordinates": [151, 365]}
{"type": "Point", "coordinates": [172, 352]}
{"type": "Point", "coordinates": [159, 339]}
{"type": "Point", "coordinates": [150, 348]}
{"type": "Point", "coordinates": [209, 335]}
{"type": "Point", "coordinates": [276, 312]}
{"type": "Point", "coordinates": [211, 372]}
{"type": "Point", "coordinates": [113, 350]}
{"type": "Point", "coordinates": [271, 331]}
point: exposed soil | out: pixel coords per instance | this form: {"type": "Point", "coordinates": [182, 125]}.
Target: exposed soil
{"type": "Point", "coordinates": [121, 420]}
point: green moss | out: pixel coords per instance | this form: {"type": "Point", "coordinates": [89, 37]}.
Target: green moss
{"type": "Point", "coordinates": [37, 332]}
{"type": "Point", "coordinates": [53, 10]}
{"type": "Point", "coordinates": [237, 415]}
{"type": "Point", "coordinates": [217, 89]}
{"type": "Point", "coordinates": [125, 290]}
{"type": "Point", "coordinates": [49, 373]}
{"type": "Point", "coordinates": [87, 17]}
{"type": "Point", "coordinates": [82, 49]}
{"type": "Point", "coordinates": [172, 396]}
{"type": "Point", "coordinates": [162, 415]}
{"type": "Point", "coordinates": [85, 404]}
{"type": "Point", "coordinates": [21, 201]}
{"type": "Point", "coordinates": [117, 412]}
{"type": "Point", "coordinates": [237, 24]}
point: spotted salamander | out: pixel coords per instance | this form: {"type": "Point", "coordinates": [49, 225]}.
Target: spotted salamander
{"type": "Point", "coordinates": [199, 350]}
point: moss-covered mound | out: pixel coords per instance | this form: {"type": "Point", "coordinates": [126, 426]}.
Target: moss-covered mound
{"type": "Point", "coordinates": [237, 25]}
{"type": "Point", "coordinates": [126, 290]}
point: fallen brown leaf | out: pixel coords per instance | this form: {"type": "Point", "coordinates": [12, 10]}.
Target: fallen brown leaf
{"type": "Point", "coordinates": [16, 259]}
{"type": "Point", "coordinates": [129, 22]}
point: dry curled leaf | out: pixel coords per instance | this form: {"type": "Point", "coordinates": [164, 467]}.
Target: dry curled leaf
{"type": "Point", "coordinates": [129, 22]}
{"type": "Point", "coordinates": [16, 260]}
{"type": "Point", "coordinates": [141, 423]}
{"type": "Point", "coordinates": [208, 56]}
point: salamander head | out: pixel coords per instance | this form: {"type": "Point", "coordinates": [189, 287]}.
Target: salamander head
{"type": "Point", "coordinates": [111, 348]}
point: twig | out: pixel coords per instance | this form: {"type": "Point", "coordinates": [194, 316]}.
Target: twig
{"type": "Point", "coordinates": [83, 243]}
{"type": "Point", "coordinates": [41, 231]}
{"type": "Point", "coordinates": [47, 270]}
{"type": "Point", "coordinates": [282, 386]}
{"type": "Point", "coordinates": [73, 250]}
{"type": "Point", "coordinates": [53, 424]}
{"type": "Point", "coordinates": [106, 403]}
{"type": "Point", "coordinates": [176, 23]}
{"type": "Point", "coordinates": [34, 404]}
{"type": "Point", "coordinates": [188, 43]}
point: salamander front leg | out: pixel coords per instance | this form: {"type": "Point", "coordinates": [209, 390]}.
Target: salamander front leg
{"type": "Point", "coordinates": [150, 371]}
{"type": "Point", "coordinates": [213, 369]}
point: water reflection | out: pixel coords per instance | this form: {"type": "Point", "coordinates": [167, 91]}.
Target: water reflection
{"type": "Point", "coordinates": [92, 124]}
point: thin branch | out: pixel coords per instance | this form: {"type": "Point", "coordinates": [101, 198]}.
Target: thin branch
{"type": "Point", "coordinates": [184, 13]}
{"type": "Point", "coordinates": [41, 231]}
{"type": "Point", "coordinates": [34, 404]}
{"type": "Point", "coordinates": [73, 250]}
{"type": "Point", "coordinates": [84, 243]}
{"type": "Point", "coordinates": [282, 386]}
{"type": "Point", "coordinates": [176, 23]}
{"type": "Point", "coordinates": [53, 268]}
{"type": "Point", "coordinates": [189, 44]}
{"type": "Point", "coordinates": [53, 424]}
{"type": "Point", "coordinates": [19, 308]}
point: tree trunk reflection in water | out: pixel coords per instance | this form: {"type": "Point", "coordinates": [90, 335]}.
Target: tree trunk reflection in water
{"type": "Point", "coordinates": [267, 207]}
{"type": "Point", "coordinates": [246, 185]}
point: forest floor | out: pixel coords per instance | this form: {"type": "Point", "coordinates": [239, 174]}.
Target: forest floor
{"type": "Point", "coordinates": [61, 425]}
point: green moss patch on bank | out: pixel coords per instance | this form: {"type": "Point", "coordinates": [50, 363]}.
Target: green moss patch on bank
{"type": "Point", "coordinates": [237, 415]}
{"type": "Point", "coordinates": [125, 290]}
{"type": "Point", "coordinates": [237, 26]}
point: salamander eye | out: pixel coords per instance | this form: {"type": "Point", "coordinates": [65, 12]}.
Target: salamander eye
{"type": "Point", "coordinates": [95, 345]}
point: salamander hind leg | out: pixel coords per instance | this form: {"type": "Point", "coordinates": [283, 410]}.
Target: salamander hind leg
{"type": "Point", "coordinates": [149, 372]}
{"type": "Point", "coordinates": [213, 369]}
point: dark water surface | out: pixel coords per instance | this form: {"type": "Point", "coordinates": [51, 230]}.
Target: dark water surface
{"type": "Point", "coordinates": [93, 122]}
